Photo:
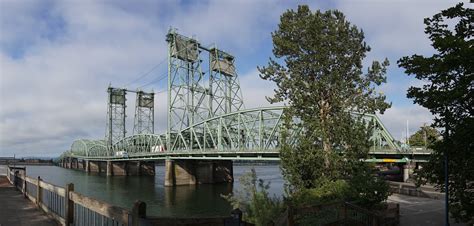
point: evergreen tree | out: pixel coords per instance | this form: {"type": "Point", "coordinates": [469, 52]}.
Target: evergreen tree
{"type": "Point", "coordinates": [319, 73]}
{"type": "Point", "coordinates": [448, 94]}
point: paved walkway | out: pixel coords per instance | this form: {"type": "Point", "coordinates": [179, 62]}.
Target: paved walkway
{"type": "Point", "coordinates": [15, 210]}
{"type": "Point", "coordinates": [420, 211]}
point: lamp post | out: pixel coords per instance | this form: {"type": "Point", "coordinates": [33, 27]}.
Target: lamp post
{"type": "Point", "coordinates": [446, 176]}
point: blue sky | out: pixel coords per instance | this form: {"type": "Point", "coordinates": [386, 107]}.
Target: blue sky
{"type": "Point", "coordinates": [58, 57]}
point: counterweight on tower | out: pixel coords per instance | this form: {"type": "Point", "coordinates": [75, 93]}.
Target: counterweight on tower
{"type": "Point", "coordinates": [115, 115]}
{"type": "Point", "coordinates": [144, 113]}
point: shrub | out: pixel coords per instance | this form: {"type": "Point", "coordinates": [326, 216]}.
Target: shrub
{"type": "Point", "coordinates": [254, 200]}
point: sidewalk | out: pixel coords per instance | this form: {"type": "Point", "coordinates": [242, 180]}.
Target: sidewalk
{"type": "Point", "coordinates": [425, 191]}
{"type": "Point", "coordinates": [16, 210]}
{"type": "Point", "coordinates": [415, 211]}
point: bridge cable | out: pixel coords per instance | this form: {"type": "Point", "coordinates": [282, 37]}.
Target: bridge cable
{"type": "Point", "coordinates": [143, 75]}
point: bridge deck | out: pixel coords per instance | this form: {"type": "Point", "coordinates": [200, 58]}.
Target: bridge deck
{"type": "Point", "coordinates": [16, 210]}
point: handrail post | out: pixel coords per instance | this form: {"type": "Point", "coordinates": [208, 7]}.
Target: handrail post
{"type": "Point", "coordinates": [38, 192]}
{"type": "Point", "coordinates": [24, 186]}
{"type": "Point", "coordinates": [344, 206]}
{"type": "Point", "coordinates": [69, 205]}
{"type": "Point", "coordinates": [236, 215]}
{"type": "Point", "coordinates": [291, 220]}
{"type": "Point", "coordinates": [138, 211]}
{"type": "Point", "coordinates": [15, 179]}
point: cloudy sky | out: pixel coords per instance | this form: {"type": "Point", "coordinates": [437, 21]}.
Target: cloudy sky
{"type": "Point", "coordinates": [58, 57]}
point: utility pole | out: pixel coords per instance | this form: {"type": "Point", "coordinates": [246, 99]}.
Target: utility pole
{"type": "Point", "coordinates": [408, 138]}
{"type": "Point", "coordinates": [424, 135]}
{"type": "Point", "coordinates": [446, 140]}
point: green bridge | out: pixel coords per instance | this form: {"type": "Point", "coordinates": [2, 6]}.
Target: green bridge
{"type": "Point", "coordinates": [206, 120]}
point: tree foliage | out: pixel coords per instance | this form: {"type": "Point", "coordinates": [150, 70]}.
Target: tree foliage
{"type": "Point", "coordinates": [255, 201]}
{"type": "Point", "coordinates": [426, 136]}
{"type": "Point", "coordinates": [448, 94]}
{"type": "Point", "coordinates": [319, 73]}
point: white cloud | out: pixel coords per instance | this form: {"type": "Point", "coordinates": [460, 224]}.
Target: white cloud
{"type": "Point", "coordinates": [396, 117]}
{"type": "Point", "coordinates": [255, 90]}
{"type": "Point", "coordinates": [394, 28]}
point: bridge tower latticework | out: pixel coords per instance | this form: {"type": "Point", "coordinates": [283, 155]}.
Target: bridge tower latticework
{"type": "Point", "coordinates": [144, 113]}
{"type": "Point", "coordinates": [195, 95]}
{"type": "Point", "coordinates": [115, 115]}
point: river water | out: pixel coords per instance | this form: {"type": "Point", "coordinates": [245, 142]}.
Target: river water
{"type": "Point", "coordinates": [183, 201]}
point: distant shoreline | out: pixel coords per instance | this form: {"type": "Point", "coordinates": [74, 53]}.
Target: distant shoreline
{"type": "Point", "coordinates": [27, 163]}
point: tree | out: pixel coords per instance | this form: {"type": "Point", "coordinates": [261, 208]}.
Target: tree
{"type": "Point", "coordinates": [448, 94]}
{"type": "Point", "coordinates": [426, 136]}
{"type": "Point", "coordinates": [318, 72]}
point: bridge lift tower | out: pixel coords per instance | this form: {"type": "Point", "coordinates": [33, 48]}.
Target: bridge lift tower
{"type": "Point", "coordinates": [115, 115]}
{"type": "Point", "coordinates": [144, 113]}
{"type": "Point", "coordinates": [195, 95]}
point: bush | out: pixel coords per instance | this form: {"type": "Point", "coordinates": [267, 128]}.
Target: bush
{"type": "Point", "coordinates": [367, 189]}
{"type": "Point", "coordinates": [328, 191]}
{"type": "Point", "coordinates": [254, 200]}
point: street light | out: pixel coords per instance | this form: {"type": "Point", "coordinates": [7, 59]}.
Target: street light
{"type": "Point", "coordinates": [446, 179]}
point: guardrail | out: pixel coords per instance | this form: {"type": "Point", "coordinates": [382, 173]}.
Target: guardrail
{"type": "Point", "coordinates": [72, 208]}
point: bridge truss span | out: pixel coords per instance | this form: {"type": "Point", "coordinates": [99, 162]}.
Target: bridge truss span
{"type": "Point", "coordinates": [248, 130]}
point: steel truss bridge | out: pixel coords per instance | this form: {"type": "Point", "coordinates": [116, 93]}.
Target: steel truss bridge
{"type": "Point", "coordinates": [207, 119]}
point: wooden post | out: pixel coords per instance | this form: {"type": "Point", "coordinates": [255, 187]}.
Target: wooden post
{"type": "Point", "coordinates": [38, 192]}
{"type": "Point", "coordinates": [236, 215]}
{"type": "Point", "coordinates": [15, 179]}
{"type": "Point", "coordinates": [138, 211]}
{"type": "Point", "coordinates": [398, 214]}
{"type": "Point", "coordinates": [344, 206]}
{"type": "Point", "coordinates": [69, 205]}
{"type": "Point", "coordinates": [291, 220]}
{"type": "Point", "coordinates": [24, 186]}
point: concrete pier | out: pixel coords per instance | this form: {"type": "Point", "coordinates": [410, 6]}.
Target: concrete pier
{"type": "Point", "coordinates": [189, 172]}
{"type": "Point", "coordinates": [408, 170]}
{"type": "Point", "coordinates": [111, 168]}
{"type": "Point", "coordinates": [80, 164]}
{"type": "Point", "coordinates": [87, 166]}
{"type": "Point", "coordinates": [94, 166]}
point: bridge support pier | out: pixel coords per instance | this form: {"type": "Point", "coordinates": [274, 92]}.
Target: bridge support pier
{"type": "Point", "coordinates": [119, 169]}
{"type": "Point", "coordinates": [80, 164]}
{"type": "Point", "coordinates": [102, 166]}
{"type": "Point", "coordinates": [73, 163]}
{"type": "Point", "coordinates": [133, 168]}
{"type": "Point", "coordinates": [189, 172]}
{"type": "Point", "coordinates": [87, 166]}
{"type": "Point", "coordinates": [93, 166]}
{"type": "Point", "coordinates": [408, 170]}
{"type": "Point", "coordinates": [129, 168]}
{"type": "Point", "coordinates": [146, 168]}
{"type": "Point", "coordinates": [110, 169]}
